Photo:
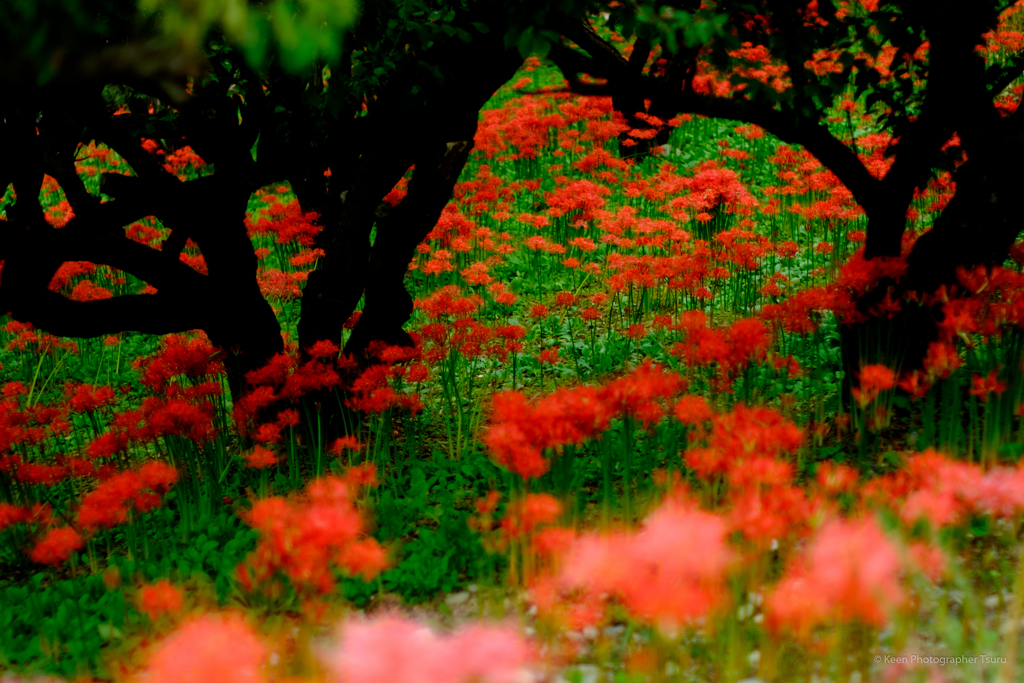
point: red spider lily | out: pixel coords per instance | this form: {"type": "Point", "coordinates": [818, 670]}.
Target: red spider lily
{"type": "Point", "coordinates": [196, 359]}
{"type": "Point", "coordinates": [41, 474]}
{"type": "Point", "coordinates": [446, 302]}
{"type": "Point", "coordinates": [214, 647]}
{"type": "Point", "coordinates": [345, 442]}
{"type": "Point", "coordinates": [303, 538]}
{"type": "Point", "coordinates": [874, 379]}
{"type": "Point", "coordinates": [260, 458]}
{"type": "Point", "coordinates": [635, 332]}
{"type": "Point", "coordinates": [915, 383]}
{"type": "Point", "coordinates": [160, 598]}
{"type": "Point", "coordinates": [87, 290]}
{"type": "Point", "coordinates": [177, 417]}
{"type": "Point", "coordinates": [323, 350]}
{"type": "Point", "coordinates": [643, 393]}
{"type": "Point", "coordinates": [268, 433]}
{"type": "Point", "coordinates": [548, 356]}
{"type": "Point", "coordinates": [692, 410]}
{"type": "Point", "coordinates": [941, 360]}
{"type": "Point", "coordinates": [765, 515]}
{"type": "Point", "coordinates": [984, 387]}
{"type": "Point", "coordinates": [361, 476]}
{"type": "Point", "coordinates": [109, 503]}
{"type": "Point", "coordinates": [565, 299]}
{"type": "Point", "coordinates": [676, 574]}
{"type": "Point", "coordinates": [56, 546]}
{"type": "Point", "coordinates": [371, 393]}
{"type": "Point", "coordinates": [945, 492]}
{"type": "Point", "coordinates": [393, 649]}
{"type": "Point", "coordinates": [86, 399]}
{"type": "Point", "coordinates": [579, 199]}
{"type": "Point", "coordinates": [799, 312]}
{"type": "Point", "coordinates": [525, 516]}
{"type": "Point", "coordinates": [521, 432]}
{"type": "Point", "coordinates": [287, 223]}
{"type": "Point", "coordinates": [754, 430]}
{"type": "Point", "coordinates": [850, 571]}
{"type": "Point", "coordinates": [12, 514]}
{"type": "Point", "coordinates": [837, 479]}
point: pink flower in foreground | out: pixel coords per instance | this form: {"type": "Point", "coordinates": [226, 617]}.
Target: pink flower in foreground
{"type": "Point", "coordinates": [215, 647]}
{"type": "Point", "coordinates": [672, 572]}
{"type": "Point", "coordinates": [393, 649]}
{"type": "Point", "coordinates": [851, 571]}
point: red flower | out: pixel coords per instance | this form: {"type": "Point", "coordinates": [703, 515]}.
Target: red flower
{"type": "Point", "coordinates": [214, 647]}
{"type": "Point", "coordinates": [160, 598]}
{"type": "Point", "coordinates": [983, 387]}
{"type": "Point", "coordinates": [345, 442]}
{"type": "Point", "coordinates": [260, 458]}
{"type": "Point", "coordinates": [693, 410]}
{"type": "Point", "coordinates": [56, 546]}
{"type": "Point", "coordinates": [548, 356]}
{"type": "Point", "coordinates": [12, 514]}
{"type": "Point", "coordinates": [850, 571]}
{"type": "Point", "coordinates": [874, 379]}
{"type": "Point", "coordinates": [524, 516]}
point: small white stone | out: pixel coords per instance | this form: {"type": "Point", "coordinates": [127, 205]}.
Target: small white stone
{"type": "Point", "coordinates": [472, 588]}
{"type": "Point", "coordinates": [591, 674]}
{"type": "Point", "coordinates": [613, 631]}
{"type": "Point", "coordinates": [758, 618]}
{"type": "Point", "coordinates": [274, 658]}
{"type": "Point", "coordinates": [991, 602]}
{"type": "Point", "coordinates": [590, 632]}
{"type": "Point", "coordinates": [530, 631]}
{"type": "Point", "coordinates": [456, 599]}
{"type": "Point", "coordinates": [754, 658]}
{"type": "Point", "coordinates": [532, 611]}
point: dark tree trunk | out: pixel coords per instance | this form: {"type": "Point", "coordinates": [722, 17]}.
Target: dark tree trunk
{"type": "Point", "coordinates": [977, 228]}
{"type": "Point", "coordinates": [439, 142]}
{"type": "Point", "coordinates": [388, 304]}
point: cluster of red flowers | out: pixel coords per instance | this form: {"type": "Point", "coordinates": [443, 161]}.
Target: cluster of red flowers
{"type": "Point", "coordinates": [850, 571]}
{"type": "Point", "coordinates": [676, 572]}
{"type": "Point", "coordinates": [520, 432]}
{"type": "Point", "coordinates": [946, 492]}
{"type": "Point", "coordinates": [304, 538]}
{"type": "Point", "coordinates": [110, 503]}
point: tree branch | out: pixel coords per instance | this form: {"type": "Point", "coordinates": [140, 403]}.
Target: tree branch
{"type": "Point", "coordinates": [151, 314]}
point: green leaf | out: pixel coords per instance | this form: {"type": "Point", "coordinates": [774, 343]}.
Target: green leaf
{"type": "Point", "coordinates": [525, 42]}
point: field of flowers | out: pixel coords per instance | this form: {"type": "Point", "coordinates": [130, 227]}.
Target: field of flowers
{"type": "Point", "coordinates": [623, 447]}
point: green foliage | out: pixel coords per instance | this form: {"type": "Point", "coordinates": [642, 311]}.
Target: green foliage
{"type": "Point", "coordinates": [298, 31]}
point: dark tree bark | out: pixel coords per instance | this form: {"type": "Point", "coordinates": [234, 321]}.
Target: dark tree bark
{"type": "Point", "coordinates": [436, 138]}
